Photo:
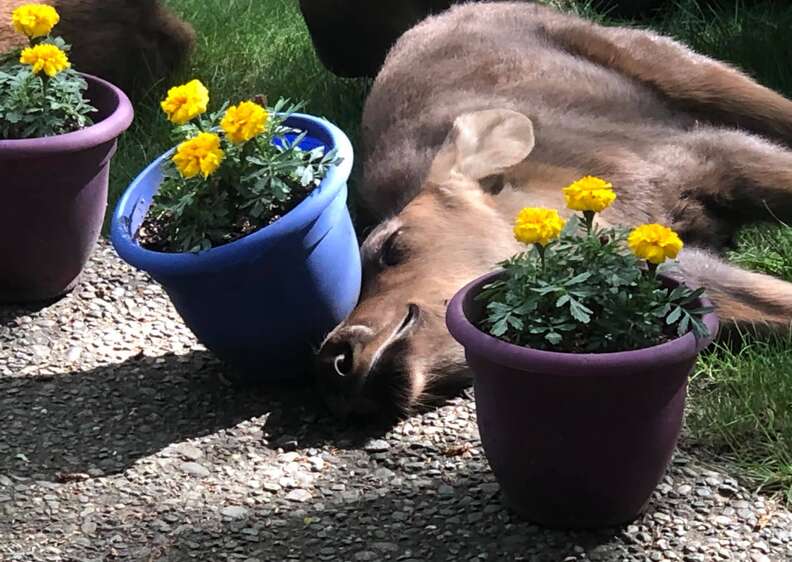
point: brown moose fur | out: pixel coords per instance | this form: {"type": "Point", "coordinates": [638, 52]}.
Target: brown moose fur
{"type": "Point", "coordinates": [352, 37]}
{"type": "Point", "coordinates": [132, 43]}
{"type": "Point", "coordinates": [492, 107]}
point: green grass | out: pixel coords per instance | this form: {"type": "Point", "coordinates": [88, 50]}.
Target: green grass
{"type": "Point", "coordinates": [741, 401]}
{"type": "Point", "coordinates": [741, 411]}
{"type": "Point", "coordinates": [766, 249]}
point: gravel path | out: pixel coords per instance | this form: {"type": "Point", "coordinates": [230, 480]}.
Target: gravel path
{"type": "Point", "coordinates": [118, 441]}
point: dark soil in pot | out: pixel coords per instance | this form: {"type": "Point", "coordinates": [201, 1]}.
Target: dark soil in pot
{"type": "Point", "coordinates": [153, 233]}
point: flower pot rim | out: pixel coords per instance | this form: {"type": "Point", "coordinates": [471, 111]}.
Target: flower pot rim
{"type": "Point", "coordinates": [219, 257]}
{"type": "Point", "coordinates": [101, 132]}
{"type": "Point", "coordinates": [538, 361]}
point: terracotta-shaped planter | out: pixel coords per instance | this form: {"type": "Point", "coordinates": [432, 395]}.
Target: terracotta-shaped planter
{"type": "Point", "coordinates": [54, 196]}
{"type": "Point", "coordinates": [575, 440]}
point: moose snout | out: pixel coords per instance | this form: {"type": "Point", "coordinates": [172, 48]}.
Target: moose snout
{"type": "Point", "coordinates": [353, 355]}
{"type": "Point", "coordinates": [337, 357]}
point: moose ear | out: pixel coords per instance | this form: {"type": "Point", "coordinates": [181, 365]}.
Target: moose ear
{"type": "Point", "coordinates": [483, 144]}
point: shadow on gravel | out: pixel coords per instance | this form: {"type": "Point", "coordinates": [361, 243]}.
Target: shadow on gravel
{"type": "Point", "coordinates": [405, 523]}
{"type": "Point", "coordinates": [10, 312]}
{"type": "Point", "coordinates": [52, 426]}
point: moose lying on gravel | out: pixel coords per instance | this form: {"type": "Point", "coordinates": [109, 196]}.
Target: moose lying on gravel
{"type": "Point", "coordinates": [132, 43]}
{"type": "Point", "coordinates": [488, 108]}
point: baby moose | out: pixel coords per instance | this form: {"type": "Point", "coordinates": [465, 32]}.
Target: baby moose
{"type": "Point", "coordinates": [492, 107]}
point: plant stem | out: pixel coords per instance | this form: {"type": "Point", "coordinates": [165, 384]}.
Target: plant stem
{"type": "Point", "coordinates": [589, 217]}
{"type": "Point", "coordinates": [541, 251]}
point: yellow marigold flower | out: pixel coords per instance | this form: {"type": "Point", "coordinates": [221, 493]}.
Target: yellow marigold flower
{"type": "Point", "coordinates": [45, 57]}
{"type": "Point", "coordinates": [244, 121]}
{"type": "Point", "coordinates": [589, 194]}
{"type": "Point", "coordinates": [654, 243]}
{"type": "Point", "coordinates": [535, 225]}
{"type": "Point", "coordinates": [34, 20]}
{"type": "Point", "coordinates": [199, 155]}
{"type": "Point", "coordinates": [186, 102]}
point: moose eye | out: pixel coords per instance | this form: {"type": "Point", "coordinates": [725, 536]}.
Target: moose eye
{"type": "Point", "coordinates": [393, 250]}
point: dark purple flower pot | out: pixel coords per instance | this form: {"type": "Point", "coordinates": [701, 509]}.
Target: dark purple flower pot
{"type": "Point", "coordinates": [575, 440]}
{"type": "Point", "coordinates": [54, 193]}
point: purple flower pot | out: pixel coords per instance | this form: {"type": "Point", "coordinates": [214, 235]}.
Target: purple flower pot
{"type": "Point", "coordinates": [54, 193]}
{"type": "Point", "coordinates": [575, 440]}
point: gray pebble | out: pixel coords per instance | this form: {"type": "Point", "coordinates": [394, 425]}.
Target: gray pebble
{"type": "Point", "coordinates": [234, 512]}
{"type": "Point", "coordinates": [194, 469]}
{"type": "Point", "coordinates": [189, 452]}
{"type": "Point", "coordinates": [385, 546]}
{"type": "Point", "coordinates": [299, 495]}
{"type": "Point", "coordinates": [376, 446]}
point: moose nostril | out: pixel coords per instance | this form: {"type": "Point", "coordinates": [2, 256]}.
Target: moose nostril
{"type": "Point", "coordinates": [410, 318]}
{"type": "Point", "coordinates": [342, 363]}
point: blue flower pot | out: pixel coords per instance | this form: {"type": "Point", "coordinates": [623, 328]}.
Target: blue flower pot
{"type": "Point", "coordinates": [262, 303]}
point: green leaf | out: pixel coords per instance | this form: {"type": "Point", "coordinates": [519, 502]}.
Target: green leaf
{"type": "Point", "coordinates": [547, 290]}
{"type": "Point", "coordinates": [570, 228]}
{"type": "Point", "coordinates": [579, 312]}
{"type": "Point", "coordinates": [525, 308]}
{"type": "Point", "coordinates": [700, 330]}
{"type": "Point", "coordinates": [554, 338]}
{"type": "Point", "coordinates": [257, 209]}
{"type": "Point", "coordinates": [580, 278]}
{"type": "Point", "coordinates": [684, 325]}
{"type": "Point", "coordinates": [499, 328]}
{"type": "Point", "coordinates": [515, 323]}
{"type": "Point", "coordinates": [674, 316]}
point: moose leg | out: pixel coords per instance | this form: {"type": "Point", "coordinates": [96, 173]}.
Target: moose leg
{"type": "Point", "coordinates": [743, 299]}
{"type": "Point", "coordinates": [710, 89]}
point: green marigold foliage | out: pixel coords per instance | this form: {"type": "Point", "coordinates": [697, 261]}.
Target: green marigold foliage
{"type": "Point", "coordinates": [257, 182]}
{"type": "Point", "coordinates": [34, 106]}
{"type": "Point", "coordinates": [592, 295]}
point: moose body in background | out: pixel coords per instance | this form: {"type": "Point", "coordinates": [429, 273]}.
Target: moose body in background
{"type": "Point", "coordinates": [352, 37]}
{"type": "Point", "coordinates": [488, 108]}
{"type": "Point", "coordinates": [132, 43]}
